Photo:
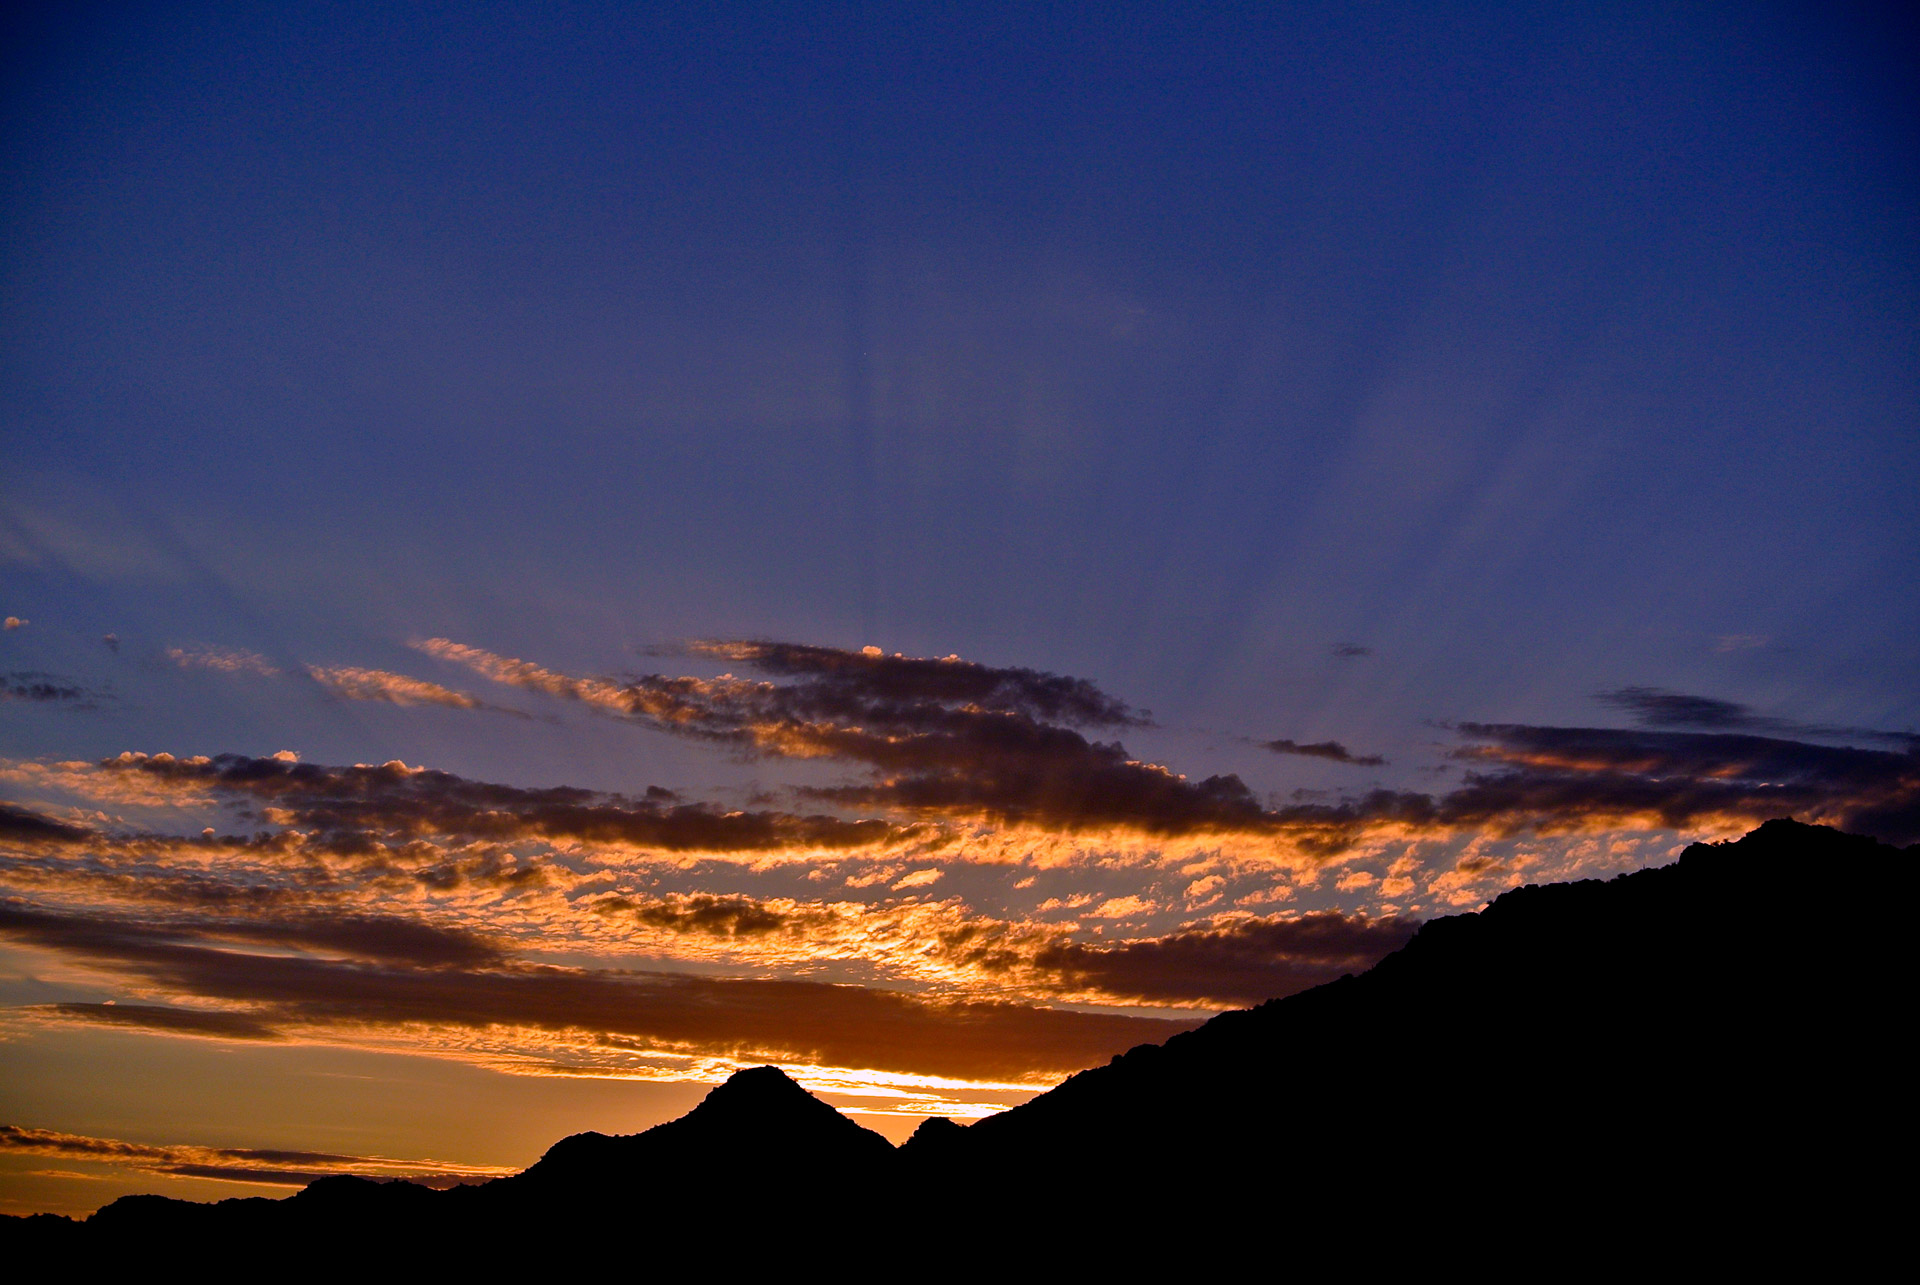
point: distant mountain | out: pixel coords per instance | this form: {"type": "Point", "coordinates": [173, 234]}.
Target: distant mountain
{"type": "Point", "coordinates": [1682, 1068]}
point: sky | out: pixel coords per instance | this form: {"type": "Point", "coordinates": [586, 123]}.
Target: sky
{"type": "Point", "coordinates": [549, 553]}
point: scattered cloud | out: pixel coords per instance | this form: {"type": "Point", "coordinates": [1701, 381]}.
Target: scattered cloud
{"type": "Point", "coordinates": [14, 622]}
{"type": "Point", "coordinates": [1351, 651]}
{"type": "Point", "coordinates": [945, 738]}
{"type": "Point", "coordinates": [738, 1018]}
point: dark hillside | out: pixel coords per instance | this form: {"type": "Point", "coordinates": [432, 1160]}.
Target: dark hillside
{"type": "Point", "coordinates": [1721, 1034]}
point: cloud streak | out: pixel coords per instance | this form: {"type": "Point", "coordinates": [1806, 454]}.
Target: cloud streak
{"type": "Point", "coordinates": [395, 689]}
{"type": "Point", "coordinates": [267, 1166]}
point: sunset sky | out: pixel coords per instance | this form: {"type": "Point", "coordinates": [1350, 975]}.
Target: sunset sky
{"type": "Point", "coordinates": [549, 553]}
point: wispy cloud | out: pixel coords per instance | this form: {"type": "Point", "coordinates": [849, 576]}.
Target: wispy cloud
{"type": "Point", "coordinates": [49, 689]}
{"type": "Point", "coordinates": [267, 1166]}
{"type": "Point", "coordinates": [1658, 707]}
{"type": "Point", "coordinates": [394, 689]}
{"type": "Point", "coordinates": [222, 660]}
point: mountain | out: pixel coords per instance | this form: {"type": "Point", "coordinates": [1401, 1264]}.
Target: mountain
{"type": "Point", "coordinates": [1695, 1066]}
{"type": "Point", "coordinates": [1704, 1051]}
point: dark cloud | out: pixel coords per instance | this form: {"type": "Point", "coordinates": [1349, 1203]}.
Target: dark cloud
{"type": "Point", "coordinates": [230, 1164]}
{"type": "Point", "coordinates": [841, 685]}
{"type": "Point", "coordinates": [1233, 964]}
{"type": "Point", "coordinates": [155, 1017]}
{"type": "Point", "coordinates": [705, 914]}
{"type": "Point", "coordinates": [944, 737]}
{"type": "Point", "coordinates": [1331, 750]}
{"type": "Point", "coordinates": [393, 799]}
{"type": "Point", "coordinates": [1657, 707]}
{"type": "Point", "coordinates": [1559, 779]}
{"type": "Point", "coordinates": [1567, 776]}
{"type": "Point", "coordinates": [49, 689]}
{"type": "Point", "coordinates": [738, 1018]}
{"type": "Point", "coordinates": [1351, 651]}
{"type": "Point", "coordinates": [383, 938]}
{"type": "Point", "coordinates": [21, 824]}
{"type": "Point", "coordinates": [1014, 770]}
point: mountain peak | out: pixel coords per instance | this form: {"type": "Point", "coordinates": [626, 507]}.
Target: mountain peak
{"type": "Point", "coordinates": [758, 1115]}
{"type": "Point", "coordinates": [757, 1090]}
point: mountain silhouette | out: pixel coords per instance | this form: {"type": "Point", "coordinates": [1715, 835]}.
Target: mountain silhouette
{"type": "Point", "coordinates": [1685, 1068]}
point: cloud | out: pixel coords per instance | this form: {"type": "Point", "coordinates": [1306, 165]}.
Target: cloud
{"type": "Point", "coordinates": [381, 938]}
{"type": "Point", "coordinates": [268, 1166]}
{"type": "Point", "coordinates": [222, 660]}
{"type": "Point", "coordinates": [944, 737]}
{"type": "Point", "coordinates": [395, 689]}
{"type": "Point", "coordinates": [1739, 642]}
{"type": "Point", "coordinates": [14, 622]}
{"type": "Point", "coordinates": [1333, 751]}
{"type": "Point", "coordinates": [392, 798]}
{"type": "Point", "coordinates": [704, 913]}
{"type": "Point", "coordinates": [23, 824]}
{"type": "Point", "coordinates": [1232, 963]}
{"type": "Point", "coordinates": [48, 689]}
{"type": "Point", "coordinates": [866, 684]}
{"type": "Point", "coordinates": [1657, 707]}
{"type": "Point", "coordinates": [1351, 651]}
{"type": "Point", "coordinates": [738, 1018]}
{"type": "Point", "coordinates": [1567, 777]}
{"type": "Point", "coordinates": [158, 1017]}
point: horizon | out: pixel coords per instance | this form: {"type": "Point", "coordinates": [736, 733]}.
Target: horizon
{"type": "Point", "coordinates": [549, 558]}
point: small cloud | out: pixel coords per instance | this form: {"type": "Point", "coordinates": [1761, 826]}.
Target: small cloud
{"type": "Point", "coordinates": [393, 689]}
{"type": "Point", "coordinates": [47, 689]}
{"type": "Point", "coordinates": [14, 622]}
{"type": "Point", "coordinates": [1203, 887]}
{"type": "Point", "coordinates": [111, 642]}
{"type": "Point", "coordinates": [1657, 707]}
{"type": "Point", "coordinates": [1739, 642]}
{"type": "Point", "coordinates": [1121, 908]}
{"type": "Point", "coordinates": [918, 879]}
{"type": "Point", "coordinates": [222, 660]}
{"type": "Point", "coordinates": [1351, 651]}
{"type": "Point", "coordinates": [1333, 751]}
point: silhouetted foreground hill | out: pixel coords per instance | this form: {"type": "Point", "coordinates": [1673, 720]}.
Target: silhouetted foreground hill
{"type": "Point", "coordinates": [1682, 1068]}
